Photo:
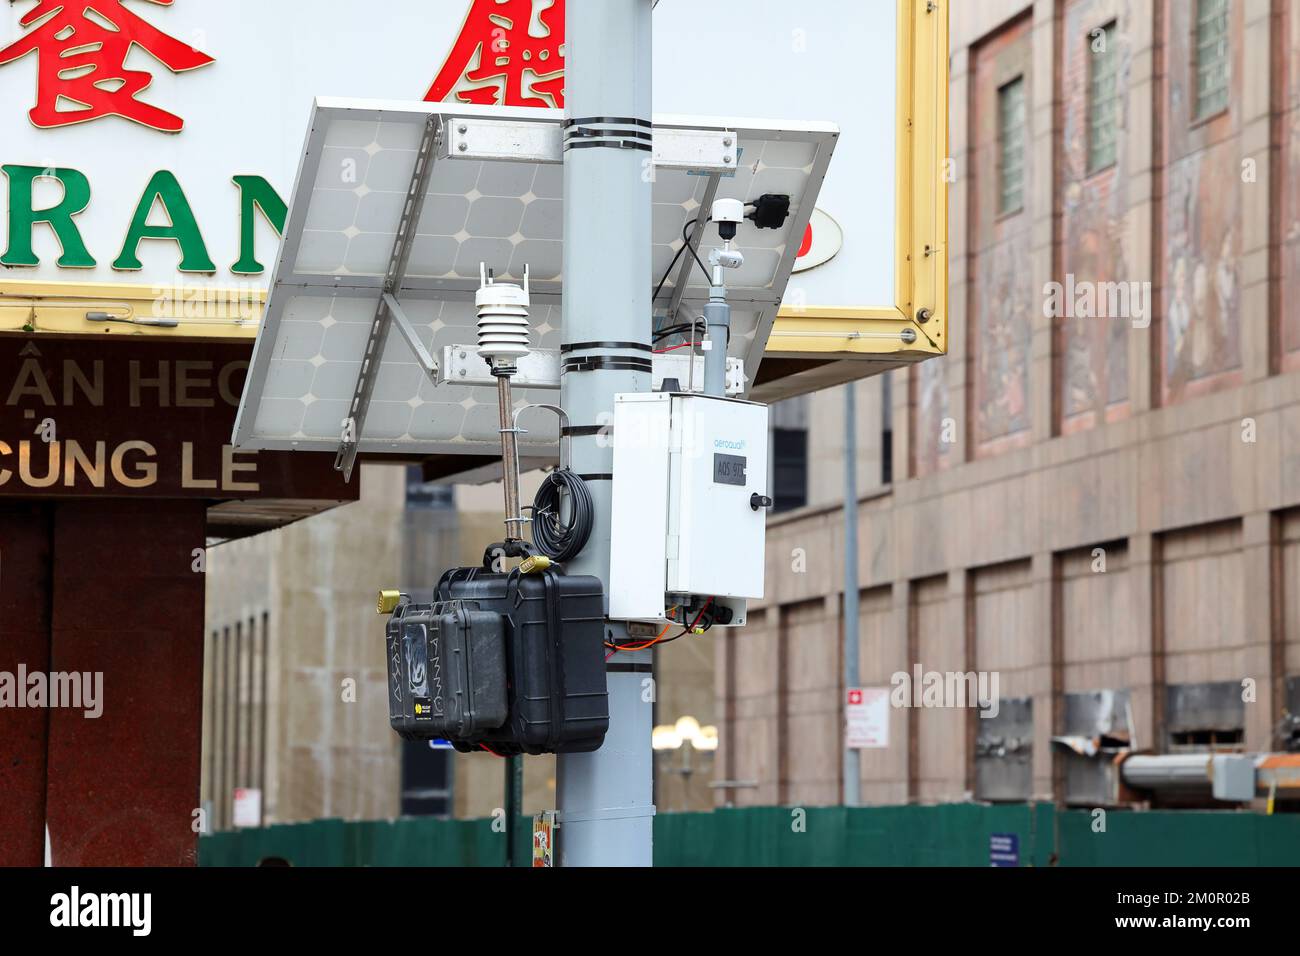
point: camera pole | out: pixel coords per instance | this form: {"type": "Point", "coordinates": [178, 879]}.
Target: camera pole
{"type": "Point", "coordinates": [605, 798]}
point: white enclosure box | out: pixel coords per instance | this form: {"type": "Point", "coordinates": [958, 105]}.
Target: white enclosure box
{"type": "Point", "coordinates": [689, 515]}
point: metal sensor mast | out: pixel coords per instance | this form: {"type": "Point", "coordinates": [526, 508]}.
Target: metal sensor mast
{"type": "Point", "coordinates": [502, 342]}
{"type": "Point", "coordinates": [606, 797]}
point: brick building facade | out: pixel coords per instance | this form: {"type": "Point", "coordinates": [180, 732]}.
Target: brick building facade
{"type": "Point", "coordinates": [1101, 505]}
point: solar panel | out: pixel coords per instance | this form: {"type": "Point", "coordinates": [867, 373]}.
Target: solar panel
{"type": "Point", "coordinates": [492, 193]}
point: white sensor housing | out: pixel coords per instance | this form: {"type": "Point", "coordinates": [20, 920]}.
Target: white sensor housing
{"type": "Point", "coordinates": [502, 320]}
{"type": "Point", "coordinates": [685, 515]}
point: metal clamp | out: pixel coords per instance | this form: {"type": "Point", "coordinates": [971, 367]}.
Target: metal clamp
{"type": "Point", "coordinates": [566, 440]}
{"type": "Point", "coordinates": [611, 813]}
{"type": "Point", "coordinates": [515, 523]}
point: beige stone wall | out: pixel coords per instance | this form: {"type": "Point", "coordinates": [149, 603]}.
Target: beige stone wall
{"type": "Point", "coordinates": [1102, 640]}
{"type": "Point", "coordinates": [328, 751]}
{"type": "Point", "coordinates": [826, 441]}
{"type": "Point", "coordinates": [1289, 533]}
{"type": "Point", "coordinates": [1203, 571]}
{"type": "Point", "coordinates": [1009, 643]}
{"type": "Point", "coordinates": [749, 678]}
{"type": "Point", "coordinates": [882, 653]}
{"type": "Point", "coordinates": [813, 690]}
{"type": "Point", "coordinates": [938, 645]}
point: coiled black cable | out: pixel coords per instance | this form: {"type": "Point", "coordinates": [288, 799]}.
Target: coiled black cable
{"type": "Point", "coordinates": [555, 538]}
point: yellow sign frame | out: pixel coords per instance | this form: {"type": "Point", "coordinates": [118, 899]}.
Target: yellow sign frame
{"type": "Point", "coordinates": [205, 312]}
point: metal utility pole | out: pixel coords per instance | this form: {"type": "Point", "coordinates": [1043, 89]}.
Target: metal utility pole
{"type": "Point", "coordinates": [514, 806]}
{"type": "Point", "coordinates": [852, 770]}
{"type": "Point", "coordinates": [606, 797]}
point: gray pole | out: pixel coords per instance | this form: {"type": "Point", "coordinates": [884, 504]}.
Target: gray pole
{"type": "Point", "coordinates": [717, 319]}
{"type": "Point", "coordinates": [509, 458]}
{"type": "Point", "coordinates": [606, 798]}
{"type": "Point", "coordinates": [514, 806]}
{"type": "Point", "coordinates": [852, 771]}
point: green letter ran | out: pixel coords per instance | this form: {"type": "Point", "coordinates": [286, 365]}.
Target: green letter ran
{"type": "Point", "coordinates": [23, 217]}
{"type": "Point", "coordinates": [184, 229]}
{"type": "Point", "coordinates": [256, 193]}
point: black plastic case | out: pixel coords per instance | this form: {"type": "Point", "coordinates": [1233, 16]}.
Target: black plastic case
{"type": "Point", "coordinates": [555, 657]}
{"type": "Point", "coordinates": [446, 670]}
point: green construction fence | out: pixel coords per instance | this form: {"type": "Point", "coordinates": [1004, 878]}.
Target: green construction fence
{"type": "Point", "coordinates": [948, 835]}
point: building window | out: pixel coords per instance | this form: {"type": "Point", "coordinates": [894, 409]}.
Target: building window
{"type": "Point", "coordinates": [426, 780]}
{"type": "Point", "coordinates": [1103, 99]}
{"type": "Point", "coordinates": [1202, 717]}
{"type": "Point", "coordinates": [887, 428]}
{"type": "Point", "coordinates": [789, 468]}
{"type": "Point", "coordinates": [1011, 146]}
{"type": "Point", "coordinates": [427, 494]}
{"type": "Point", "coordinates": [1212, 60]}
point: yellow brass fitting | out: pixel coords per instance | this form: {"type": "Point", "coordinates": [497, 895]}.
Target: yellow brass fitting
{"type": "Point", "coordinates": [535, 563]}
{"type": "Point", "coordinates": [387, 601]}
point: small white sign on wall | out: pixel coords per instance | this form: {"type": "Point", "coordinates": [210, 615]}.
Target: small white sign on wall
{"type": "Point", "coordinates": [248, 807]}
{"type": "Point", "coordinates": [866, 718]}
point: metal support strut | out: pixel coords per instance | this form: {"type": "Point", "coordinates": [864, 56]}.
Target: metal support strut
{"type": "Point", "coordinates": [354, 425]}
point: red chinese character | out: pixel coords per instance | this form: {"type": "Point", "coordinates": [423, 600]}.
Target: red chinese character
{"type": "Point", "coordinates": [82, 49]}
{"type": "Point", "coordinates": [499, 33]}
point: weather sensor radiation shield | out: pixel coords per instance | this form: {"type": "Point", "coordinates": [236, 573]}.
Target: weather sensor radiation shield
{"type": "Point", "coordinates": [368, 344]}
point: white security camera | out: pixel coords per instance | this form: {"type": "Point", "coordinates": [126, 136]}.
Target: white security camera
{"type": "Point", "coordinates": [728, 214]}
{"type": "Point", "coordinates": [727, 258]}
{"type": "Point", "coordinates": [728, 210]}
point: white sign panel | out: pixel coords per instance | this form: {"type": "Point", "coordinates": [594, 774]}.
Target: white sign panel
{"type": "Point", "coordinates": [248, 807]}
{"type": "Point", "coordinates": [154, 141]}
{"type": "Point", "coordinates": [831, 60]}
{"type": "Point", "coordinates": [866, 712]}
